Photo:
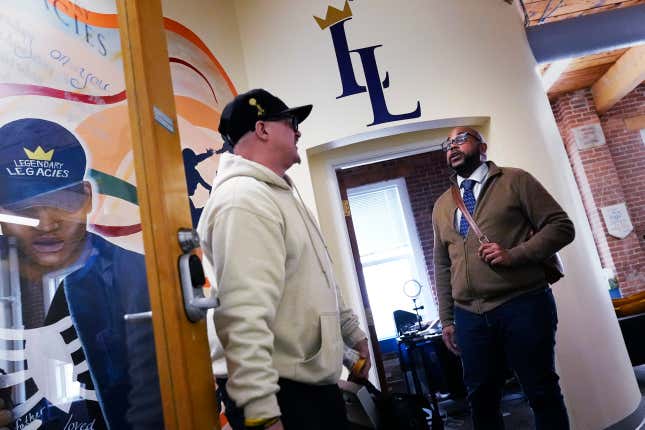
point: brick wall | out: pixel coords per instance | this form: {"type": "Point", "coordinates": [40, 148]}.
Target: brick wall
{"type": "Point", "coordinates": [426, 176]}
{"type": "Point", "coordinates": [574, 110]}
{"type": "Point", "coordinates": [628, 153]}
{"type": "Point", "coordinates": [609, 174]}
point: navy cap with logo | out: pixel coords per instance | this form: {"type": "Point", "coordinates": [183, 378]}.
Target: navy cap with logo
{"type": "Point", "coordinates": [41, 164]}
{"type": "Point", "coordinates": [241, 114]}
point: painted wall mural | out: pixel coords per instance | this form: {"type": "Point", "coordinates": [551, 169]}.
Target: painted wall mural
{"type": "Point", "coordinates": [72, 266]}
{"type": "Point", "coordinates": [53, 76]}
{"type": "Point", "coordinates": [335, 21]}
{"type": "Point", "coordinates": [202, 88]}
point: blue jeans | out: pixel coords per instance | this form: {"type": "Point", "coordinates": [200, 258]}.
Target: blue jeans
{"type": "Point", "coordinates": [521, 334]}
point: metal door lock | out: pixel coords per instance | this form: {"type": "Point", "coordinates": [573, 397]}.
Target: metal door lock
{"type": "Point", "coordinates": [188, 239]}
{"type": "Point", "coordinates": [191, 274]}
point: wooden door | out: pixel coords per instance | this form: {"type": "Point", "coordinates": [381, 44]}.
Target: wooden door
{"type": "Point", "coordinates": [186, 381]}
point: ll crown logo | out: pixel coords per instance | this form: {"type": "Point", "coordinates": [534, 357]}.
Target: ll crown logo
{"type": "Point", "coordinates": [334, 15]}
{"type": "Point", "coordinates": [335, 20]}
{"type": "Point", "coordinates": [39, 154]}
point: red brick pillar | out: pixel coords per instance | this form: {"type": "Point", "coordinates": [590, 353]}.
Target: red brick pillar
{"type": "Point", "coordinates": [627, 148]}
{"type": "Point", "coordinates": [597, 177]}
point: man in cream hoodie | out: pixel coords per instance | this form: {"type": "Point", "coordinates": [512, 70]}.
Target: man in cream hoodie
{"type": "Point", "coordinates": [282, 321]}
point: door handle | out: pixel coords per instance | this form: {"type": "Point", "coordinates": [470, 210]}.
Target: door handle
{"type": "Point", "coordinates": [191, 275]}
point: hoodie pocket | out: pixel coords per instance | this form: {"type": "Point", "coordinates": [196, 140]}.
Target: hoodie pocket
{"type": "Point", "coordinates": [327, 361]}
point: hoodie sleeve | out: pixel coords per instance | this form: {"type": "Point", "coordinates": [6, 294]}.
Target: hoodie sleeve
{"type": "Point", "coordinates": [249, 261]}
{"type": "Point", "coordinates": [349, 326]}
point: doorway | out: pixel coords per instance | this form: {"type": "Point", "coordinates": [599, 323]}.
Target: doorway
{"type": "Point", "coordinates": [390, 252]}
{"type": "Point", "coordinates": [388, 207]}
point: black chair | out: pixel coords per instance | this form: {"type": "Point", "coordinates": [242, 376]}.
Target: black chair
{"type": "Point", "coordinates": [632, 328]}
{"type": "Point", "coordinates": [405, 322]}
{"type": "Point", "coordinates": [426, 358]}
{"type": "Point", "coordinates": [437, 369]}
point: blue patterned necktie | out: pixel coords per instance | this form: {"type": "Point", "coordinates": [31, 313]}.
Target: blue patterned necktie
{"type": "Point", "coordinates": [469, 201]}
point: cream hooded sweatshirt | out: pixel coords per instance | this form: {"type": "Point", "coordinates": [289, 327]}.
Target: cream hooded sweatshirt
{"type": "Point", "coordinates": [281, 312]}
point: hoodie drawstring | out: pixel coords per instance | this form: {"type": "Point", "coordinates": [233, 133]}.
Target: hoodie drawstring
{"type": "Point", "coordinates": [307, 217]}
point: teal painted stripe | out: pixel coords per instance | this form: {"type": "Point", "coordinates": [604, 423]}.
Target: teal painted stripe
{"type": "Point", "coordinates": [115, 187]}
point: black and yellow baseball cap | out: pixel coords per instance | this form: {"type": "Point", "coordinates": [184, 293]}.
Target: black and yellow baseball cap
{"type": "Point", "coordinates": [241, 114]}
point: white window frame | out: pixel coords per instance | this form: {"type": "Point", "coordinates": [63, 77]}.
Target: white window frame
{"type": "Point", "coordinates": [421, 275]}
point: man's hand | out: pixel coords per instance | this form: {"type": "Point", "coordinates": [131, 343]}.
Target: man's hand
{"type": "Point", "coordinates": [494, 254]}
{"type": "Point", "coordinates": [364, 351]}
{"type": "Point", "coordinates": [5, 415]}
{"type": "Point", "coordinates": [449, 338]}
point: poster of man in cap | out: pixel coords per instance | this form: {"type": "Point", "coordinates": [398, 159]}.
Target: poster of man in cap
{"type": "Point", "coordinates": [74, 289]}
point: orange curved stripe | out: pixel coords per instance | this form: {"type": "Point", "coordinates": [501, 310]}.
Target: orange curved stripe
{"type": "Point", "coordinates": [197, 113]}
{"type": "Point", "coordinates": [186, 33]}
{"type": "Point", "coordinates": [69, 8]}
{"type": "Point", "coordinates": [105, 20]}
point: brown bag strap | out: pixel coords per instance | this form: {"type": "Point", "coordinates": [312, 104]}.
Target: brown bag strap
{"type": "Point", "coordinates": [456, 195]}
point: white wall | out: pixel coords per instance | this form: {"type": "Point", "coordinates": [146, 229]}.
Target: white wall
{"type": "Point", "coordinates": [215, 22]}
{"type": "Point", "coordinates": [459, 58]}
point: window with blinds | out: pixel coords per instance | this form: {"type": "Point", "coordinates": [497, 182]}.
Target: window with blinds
{"type": "Point", "coordinates": [389, 250]}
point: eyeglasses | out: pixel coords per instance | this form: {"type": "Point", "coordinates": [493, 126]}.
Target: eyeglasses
{"type": "Point", "coordinates": [291, 120]}
{"type": "Point", "coordinates": [459, 140]}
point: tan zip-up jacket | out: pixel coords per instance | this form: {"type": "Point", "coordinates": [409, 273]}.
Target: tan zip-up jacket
{"type": "Point", "coordinates": [512, 203]}
{"type": "Point", "coordinates": [281, 312]}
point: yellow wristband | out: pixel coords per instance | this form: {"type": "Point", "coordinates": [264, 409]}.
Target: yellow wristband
{"type": "Point", "coordinates": [260, 422]}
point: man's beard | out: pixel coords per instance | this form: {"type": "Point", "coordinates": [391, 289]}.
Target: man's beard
{"type": "Point", "coordinates": [468, 165]}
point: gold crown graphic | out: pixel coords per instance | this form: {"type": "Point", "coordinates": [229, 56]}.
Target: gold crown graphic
{"type": "Point", "coordinates": [334, 15]}
{"type": "Point", "coordinates": [39, 154]}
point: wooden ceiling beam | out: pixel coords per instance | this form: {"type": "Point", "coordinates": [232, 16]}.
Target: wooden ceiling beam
{"type": "Point", "coordinates": [589, 34]}
{"type": "Point", "coordinates": [571, 8]}
{"type": "Point", "coordinates": [553, 73]}
{"type": "Point", "coordinates": [625, 75]}
{"type": "Point", "coordinates": [574, 80]}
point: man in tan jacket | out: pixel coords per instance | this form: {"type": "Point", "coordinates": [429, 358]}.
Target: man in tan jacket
{"type": "Point", "coordinates": [495, 305]}
{"type": "Point", "coordinates": [282, 320]}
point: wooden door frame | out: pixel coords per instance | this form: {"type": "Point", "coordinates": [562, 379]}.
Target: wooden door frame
{"type": "Point", "coordinates": [183, 358]}
{"type": "Point", "coordinates": [351, 233]}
